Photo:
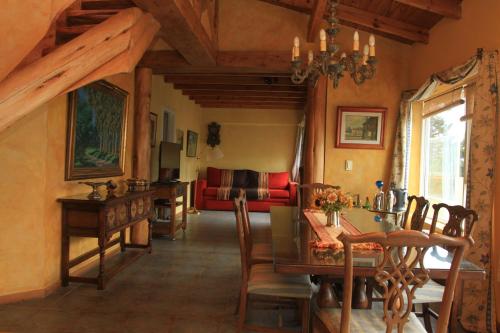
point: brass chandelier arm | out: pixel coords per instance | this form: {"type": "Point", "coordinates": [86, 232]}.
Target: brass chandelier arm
{"type": "Point", "coordinates": [360, 66]}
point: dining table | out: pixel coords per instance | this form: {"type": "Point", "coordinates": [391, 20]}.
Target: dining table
{"type": "Point", "coordinates": [300, 246]}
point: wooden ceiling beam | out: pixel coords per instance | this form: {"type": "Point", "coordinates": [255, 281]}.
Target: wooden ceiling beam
{"type": "Point", "coordinates": [168, 62]}
{"type": "Point", "coordinates": [253, 106]}
{"type": "Point", "coordinates": [234, 80]}
{"type": "Point", "coordinates": [106, 4]}
{"type": "Point", "coordinates": [446, 8]}
{"type": "Point", "coordinates": [228, 87]}
{"type": "Point", "coordinates": [182, 29]}
{"type": "Point", "coordinates": [363, 19]}
{"type": "Point", "coordinates": [316, 20]}
{"type": "Point", "coordinates": [254, 94]}
{"type": "Point", "coordinates": [248, 98]}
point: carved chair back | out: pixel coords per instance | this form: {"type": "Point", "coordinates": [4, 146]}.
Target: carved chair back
{"type": "Point", "coordinates": [417, 221]}
{"type": "Point", "coordinates": [239, 211]}
{"type": "Point", "coordinates": [400, 272]}
{"type": "Point", "coordinates": [460, 223]}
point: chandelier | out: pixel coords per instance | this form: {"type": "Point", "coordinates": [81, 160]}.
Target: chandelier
{"type": "Point", "coordinates": [361, 67]}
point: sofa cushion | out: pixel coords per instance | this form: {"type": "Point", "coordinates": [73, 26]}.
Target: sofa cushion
{"type": "Point", "coordinates": [240, 179]}
{"type": "Point", "coordinates": [211, 192]}
{"type": "Point", "coordinates": [278, 180]}
{"type": "Point", "coordinates": [275, 193]}
{"type": "Point", "coordinates": [213, 177]}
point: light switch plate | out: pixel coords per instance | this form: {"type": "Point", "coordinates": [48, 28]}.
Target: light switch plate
{"type": "Point", "coordinates": [348, 165]}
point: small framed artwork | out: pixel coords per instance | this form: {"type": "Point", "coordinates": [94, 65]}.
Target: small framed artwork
{"type": "Point", "coordinates": [96, 134]}
{"type": "Point", "coordinates": [360, 128]}
{"type": "Point", "coordinates": [192, 143]}
{"type": "Point", "coordinates": [153, 121]}
{"type": "Point", "coordinates": [180, 138]}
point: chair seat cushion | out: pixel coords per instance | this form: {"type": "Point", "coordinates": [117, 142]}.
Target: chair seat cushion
{"type": "Point", "coordinates": [369, 320]}
{"type": "Point", "coordinates": [262, 253]}
{"type": "Point", "coordinates": [431, 292]}
{"type": "Point", "coordinates": [263, 280]}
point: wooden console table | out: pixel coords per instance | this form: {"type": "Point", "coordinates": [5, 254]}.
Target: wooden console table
{"type": "Point", "coordinates": [101, 219]}
{"type": "Point", "coordinates": [166, 195]}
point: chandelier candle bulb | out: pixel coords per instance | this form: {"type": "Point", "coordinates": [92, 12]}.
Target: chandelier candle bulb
{"type": "Point", "coordinates": [322, 40]}
{"type": "Point", "coordinates": [296, 45]}
{"type": "Point", "coordinates": [343, 55]}
{"type": "Point", "coordinates": [371, 41]}
{"type": "Point", "coordinates": [366, 51]}
{"type": "Point", "coordinates": [356, 41]}
{"type": "Point", "coordinates": [310, 57]}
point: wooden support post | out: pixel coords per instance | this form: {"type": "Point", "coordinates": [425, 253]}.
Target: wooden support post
{"type": "Point", "coordinates": [142, 146]}
{"type": "Point", "coordinates": [319, 106]}
{"type": "Point", "coordinates": [309, 145]}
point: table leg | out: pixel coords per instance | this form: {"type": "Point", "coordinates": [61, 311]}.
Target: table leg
{"type": "Point", "coordinates": [150, 234]}
{"type": "Point", "coordinates": [122, 240]}
{"type": "Point", "coordinates": [184, 209]}
{"type": "Point", "coordinates": [457, 299]}
{"type": "Point", "coordinates": [326, 296]}
{"type": "Point", "coordinates": [359, 299]}
{"type": "Point", "coordinates": [102, 253]}
{"type": "Point", "coordinates": [172, 218]}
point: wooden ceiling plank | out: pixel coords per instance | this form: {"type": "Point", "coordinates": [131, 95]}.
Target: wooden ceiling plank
{"type": "Point", "coordinates": [183, 29]}
{"type": "Point", "coordinates": [255, 94]}
{"type": "Point", "coordinates": [316, 20]}
{"type": "Point", "coordinates": [250, 106]}
{"type": "Point", "coordinates": [166, 61]}
{"type": "Point", "coordinates": [235, 80]}
{"type": "Point", "coordinates": [106, 4]}
{"type": "Point", "coordinates": [228, 87]}
{"type": "Point", "coordinates": [363, 19]}
{"type": "Point", "coordinates": [450, 9]}
{"type": "Point", "coordinates": [248, 98]}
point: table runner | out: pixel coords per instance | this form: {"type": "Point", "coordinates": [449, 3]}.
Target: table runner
{"type": "Point", "coordinates": [328, 236]}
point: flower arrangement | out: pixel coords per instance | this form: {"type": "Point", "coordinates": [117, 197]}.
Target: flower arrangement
{"type": "Point", "coordinates": [332, 200]}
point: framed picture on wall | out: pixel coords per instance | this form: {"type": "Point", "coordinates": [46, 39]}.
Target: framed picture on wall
{"type": "Point", "coordinates": [153, 121]}
{"type": "Point", "coordinates": [97, 122]}
{"type": "Point", "coordinates": [360, 127]}
{"type": "Point", "coordinates": [180, 138]}
{"type": "Point", "coordinates": [192, 143]}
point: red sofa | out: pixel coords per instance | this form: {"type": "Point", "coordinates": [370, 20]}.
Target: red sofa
{"type": "Point", "coordinates": [282, 192]}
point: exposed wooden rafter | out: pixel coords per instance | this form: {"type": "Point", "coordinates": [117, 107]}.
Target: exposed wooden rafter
{"type": "Point", "coordinates": [183, 30]}
{"type": "Point", "coordinates": [229, 79]}
{"type": "Point", "coordinates": [363, 19]}
{"type": "Point", "coordinates": [446, 8]}
{"type": "Point", "coordinates": [111, 47]}
{"type": "Point", "coordinates": [316, 19]}
{"type": "Point", "coordinates": [168, 62]}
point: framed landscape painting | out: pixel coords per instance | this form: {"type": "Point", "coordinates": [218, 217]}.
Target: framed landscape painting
{"type": "Point", "coordinates": [192, 143]}
{"type": "Point", "coordinates": [361, 128]}
{"type": "Point", "coordinates": [97, 122]}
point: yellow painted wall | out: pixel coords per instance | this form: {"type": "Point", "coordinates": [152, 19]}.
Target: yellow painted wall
{"type": "Point", "coordinates": [188, 115]}
{"type": "Point", "coordinates": [257, 139]}
{"type": "Point", "coordinates": [33, 153]}
{"type": "Point", "coordinates": [453, 42]}
{"type": "Point", "coordinates": [384, 90]}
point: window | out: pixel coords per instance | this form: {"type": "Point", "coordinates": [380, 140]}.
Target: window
{"type": "Point", "coordinates": [444, 157]}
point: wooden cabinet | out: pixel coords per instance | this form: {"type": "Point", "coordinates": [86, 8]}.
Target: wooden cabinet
{"type": "Point", "coordinates": [166, 195]}
{"type": "Point", "coordinates": [101, 219]}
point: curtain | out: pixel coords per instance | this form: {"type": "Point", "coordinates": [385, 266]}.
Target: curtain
{"type": "Point", "coordinates": [478, 302]}
{"type": "Point", "coordinates": [299, 147]}
{"type": "Point", "coordinates": [401, 159]}
{"type": "Point", "coordinates": [401, 154]}
{"type": "Point", "coordinates": [478, 307]}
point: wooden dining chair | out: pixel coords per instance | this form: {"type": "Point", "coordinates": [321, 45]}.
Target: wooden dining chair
{"type": "Point", "coordinates": [258, 253]}
{"type": "Point", "coordinates": [418, 213]}
{"type": "Point", "coordinates": [460, 223]}
{"type": "Point", "coordinates": [261, 280]}
{"type": "Point", "coordinates": [400, 273]}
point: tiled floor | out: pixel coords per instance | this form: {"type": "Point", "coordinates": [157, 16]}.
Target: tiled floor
{"type": "Point", "coordinates": [187, 285]}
